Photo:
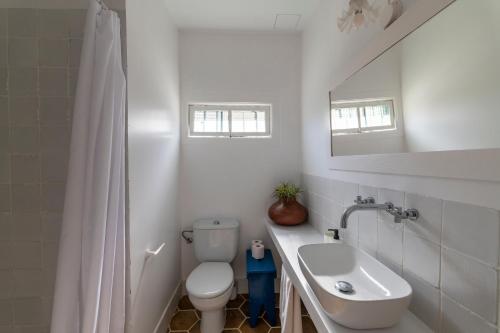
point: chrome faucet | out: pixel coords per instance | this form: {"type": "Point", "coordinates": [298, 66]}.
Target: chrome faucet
{"type": "Point", "coordinates": [369, 204]}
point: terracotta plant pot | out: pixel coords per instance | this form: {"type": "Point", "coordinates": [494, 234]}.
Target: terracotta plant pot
{"type": "Point", "coordinates": [288, 212]}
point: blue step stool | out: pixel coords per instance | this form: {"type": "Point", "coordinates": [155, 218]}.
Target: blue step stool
{"type": "Point", "coordinates": [261, 274]}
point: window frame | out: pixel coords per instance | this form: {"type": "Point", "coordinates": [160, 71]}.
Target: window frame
{"type": "Point", "coordinates": [229, 107]}
{"type": "Point", "coordinates": [359, 104]}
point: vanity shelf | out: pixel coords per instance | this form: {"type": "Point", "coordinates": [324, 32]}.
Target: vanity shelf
{"type": "Point", "coordinates": [287, 241]}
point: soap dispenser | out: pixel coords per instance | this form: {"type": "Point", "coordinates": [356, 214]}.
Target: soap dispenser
{"type": "Point", "coordinates": [332, 236]}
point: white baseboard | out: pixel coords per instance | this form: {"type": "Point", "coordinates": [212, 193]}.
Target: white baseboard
{"type": "Point", "coordinates": [169, 311]}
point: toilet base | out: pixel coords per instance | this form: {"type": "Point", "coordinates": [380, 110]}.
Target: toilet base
{"type": "Point", "coordinates": [213, 321]}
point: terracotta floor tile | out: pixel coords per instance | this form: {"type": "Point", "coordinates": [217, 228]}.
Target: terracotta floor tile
{"type": "Point", "coordinates": [183, 320]}
{"type": "Point", "coordinates": [234, 304]}
{"type": "Point", "coordinates": [186, 320]}
{"type": "Point", "coordinates": [234, 318]}
{"type": "Point", "coordinates": [185, 303]}
{"type": "Point", "coordinates": [303, 309]}
{"type": "Point", "coordinates": [196, 328]}
{"type": "Point", "coordinates": [261, 327]}
{"type": "Point", "coordinates": [308, 325]}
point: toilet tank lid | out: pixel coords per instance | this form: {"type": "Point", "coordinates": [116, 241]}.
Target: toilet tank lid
{"type": "Point", "coordinates": [216, 223]}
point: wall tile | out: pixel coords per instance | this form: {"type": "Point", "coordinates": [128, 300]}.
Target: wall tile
{"type": "Point", "coordinates": [34, 150]}
{"type": "Point", "coordinates": [390, 245]}
{"type": "Point", "coordinates": [3, 22]}
{"type": "Point", "coordinates": [28, 311]}
{"type": "Point", "coordinates": [23, 81]}
{"type": "Point", "coordinates": [4, 168]}
{"type": "Point", "coordinates": [50, 252]}
{"type": "Point", "coordinates": [413, 250]}
{"type": "Point", "coordinates": [457, 319]}
{"type": "Point", "coordinates": [53, 24]}
{"type": "Point", "coordinates": [53, 197]}
{"type": "Point", "coordinates": [51, 224]}
{"type": "Point", "coordinates": [54, 166]}
{"type": "Point", "coordinates": [22, 23]}
{"type": "Point", "coordinates": [76, 21]}
{"type": "Point", "coordinates": [54, 111]}
{"type": "Point", "coordinates": [26, 198]}
{"type": "Point", "coordinates": [49, 276]}
{"type": "Point", "coordinates": [23, 52]}
{"type": "Point", "coordinates": [3, 52]}
{"type": "Point", "coordinates": [54, 52]}
{"type": "Point", "coordinates": [5, 312]}
{"type": "Point", "coordinates": [425, 301]}
{"type": "Point", "coordinates": [4, 111]}
{"type": "Point", "coordinates": [470, 283]}
{"type": "Point", "coordinates": [6, 284]}
{"type": "Point", "coordinates": [23, 111]}
{"type": "Point", "coordinates": [53, 82]}
{"type": "Point", "coordinates": [5, 199]}
{"type": "Point", "coordinates": [73, 81]}
{"type": "Point", "coordinates": [27, 255]}
{"type": "Point", "coordinates": [54, 138]}
{"type": "Point", "coordinates": [5, 255]}
{"type": "Point", "coordinates": [75, 50]}
{"type": "Point", "coordinates": [24, 140]}
{"type": "Point", "coordinates": [28, 283]}
{"type": "Point", "coordinates": [26, 226]}
{"type": "Point", "coordinates": [472, 230]}
{"type": "Point", "coordinates": [367, 223]}
{"type": "Point", "coordinates": [429, 223]}
{"type": "Point", "coordinates": [422, 258]}
{"type": "Point", "coordinates": [3, 81]}
{"type": "Point", "coordinates": [344, 193]}
{"type": "Point", "coordinates": [25, 169]}
{"type": "Point", "coordinates": [5, 227]}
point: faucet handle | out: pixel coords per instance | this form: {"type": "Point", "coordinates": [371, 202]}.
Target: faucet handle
{"type": "Point", "coordinates": [359, 199]}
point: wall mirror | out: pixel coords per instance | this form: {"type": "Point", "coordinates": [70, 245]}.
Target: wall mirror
{"type": "Point", "coordinates": [438, 89]}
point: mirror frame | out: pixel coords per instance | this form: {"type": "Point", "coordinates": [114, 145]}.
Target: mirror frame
{"type": "Point", "coordinates": [457, 164]}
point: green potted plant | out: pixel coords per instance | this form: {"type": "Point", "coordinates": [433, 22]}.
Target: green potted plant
{"type": "Point", "coordinates": [287, 210]}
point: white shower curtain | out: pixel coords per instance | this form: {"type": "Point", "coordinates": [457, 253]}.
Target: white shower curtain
{"type": "Point", "coordinates": [90, 284]}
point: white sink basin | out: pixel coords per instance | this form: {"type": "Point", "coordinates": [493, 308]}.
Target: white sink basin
{"type": "Point", "coordinates": [379, 297]}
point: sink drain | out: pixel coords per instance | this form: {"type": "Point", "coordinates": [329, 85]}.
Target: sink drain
{"type": "Point", "coordinates": [344, 287]}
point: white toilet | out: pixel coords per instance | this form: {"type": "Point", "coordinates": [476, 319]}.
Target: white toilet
{"type": "Point", "coordinates": [210, 285]}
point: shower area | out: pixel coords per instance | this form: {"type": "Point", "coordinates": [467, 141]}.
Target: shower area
{"type": "Point", "coordinates": [40, 52]}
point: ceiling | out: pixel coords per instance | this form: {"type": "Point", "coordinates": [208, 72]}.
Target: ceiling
{"type": "Point", "coordinates": [253, 15]}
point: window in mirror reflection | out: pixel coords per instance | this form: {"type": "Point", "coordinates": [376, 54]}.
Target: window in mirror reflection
{"type": "Point", "coordinates": [355, 117]}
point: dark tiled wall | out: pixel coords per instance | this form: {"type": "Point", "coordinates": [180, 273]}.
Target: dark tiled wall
{"type": "Point", "coordinates": [39, 60]}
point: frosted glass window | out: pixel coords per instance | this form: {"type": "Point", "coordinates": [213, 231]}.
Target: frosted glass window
{"type": "Point", "coordinates": [216, 121]}
{"type": "Point", "coordinates": [230, 120]}
{"type": "Point", "coordinates": [354, 117]}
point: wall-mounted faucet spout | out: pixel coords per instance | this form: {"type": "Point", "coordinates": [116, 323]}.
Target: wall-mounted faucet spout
{"type": "Point", "coordinates": [363, 204]}
{"type": "Point", "coordinates": [369, 204]}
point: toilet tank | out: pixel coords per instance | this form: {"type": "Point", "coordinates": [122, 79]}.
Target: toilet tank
{"type": "Point", "coordinates": [216, 239]}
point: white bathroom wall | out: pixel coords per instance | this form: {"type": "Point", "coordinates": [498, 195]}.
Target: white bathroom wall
{"type": "Point", "coordinates": [153, 159]}
{"type": "Point", "coordinates": [235, 177]}
{"type": "Point", "coordinates": [438, 113]}
{"type": "Point", "coordinates": [448, 295]}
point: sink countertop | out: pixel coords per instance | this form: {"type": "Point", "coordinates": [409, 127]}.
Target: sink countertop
{"type": "Point", "coordinates": [288, 240]}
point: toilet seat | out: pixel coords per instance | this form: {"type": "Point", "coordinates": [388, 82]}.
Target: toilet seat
{"type": "Point", "coordinates": [210, 279]}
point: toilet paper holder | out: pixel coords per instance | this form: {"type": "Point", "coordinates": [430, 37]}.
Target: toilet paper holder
{"type": "Point", "coordinates": [188, 239]}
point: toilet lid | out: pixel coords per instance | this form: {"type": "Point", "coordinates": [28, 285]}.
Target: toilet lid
{"type": "Point", "coordinates": [210, 279]}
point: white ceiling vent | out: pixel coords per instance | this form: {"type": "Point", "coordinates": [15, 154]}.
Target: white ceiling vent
{"type": "Point", "coordinates": [287, 21]}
